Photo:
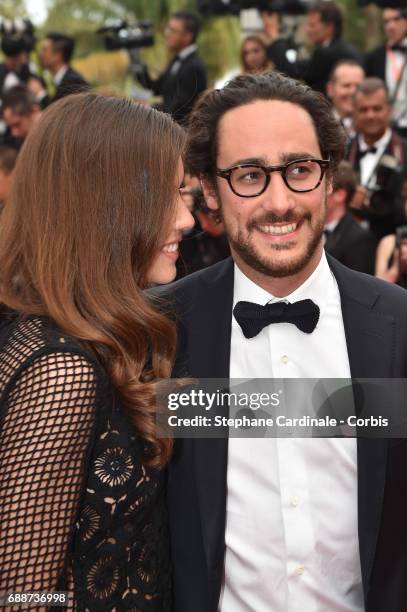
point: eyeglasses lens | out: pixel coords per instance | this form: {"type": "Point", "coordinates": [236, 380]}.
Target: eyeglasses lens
{"type": "Point", "coordinates": [299, 176]}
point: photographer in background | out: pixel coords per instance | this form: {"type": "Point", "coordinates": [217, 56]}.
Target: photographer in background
{"type": "Point", "coordinates": [185, 77]}
{"type": "Point", "coordinates": [378, 155]}
{"type": "Point", "coordinates": [391, 258]}
{"type": "Point", "coordinates": [17, 41]}
{"type": "Point", "coordinates": [389, 62]}
{"type": "Point", "coordinates": [205, 244]}
{"type": "Point", "coordinates": [345, 239]}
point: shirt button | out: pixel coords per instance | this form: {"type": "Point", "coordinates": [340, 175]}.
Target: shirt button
{"type": "Point", "coordinates": [294, 501]}
{"type": "Point", "coordinates": [284, 359]}
{"type": "Point", "coordinates": [300, 570]}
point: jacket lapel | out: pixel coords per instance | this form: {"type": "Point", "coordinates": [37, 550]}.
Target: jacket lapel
{"type": "Point", "coordinates": [209, 350]}
{"type": "Point", "coordinates": [336, 236]}
{"type": "Point", "coordinates": [370, 338]}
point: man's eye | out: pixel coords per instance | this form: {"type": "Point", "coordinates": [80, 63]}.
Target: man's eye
{"type": "Point", "coordinates": [299, 170]}
{"type": "Point", "coordinates": [251, 176]}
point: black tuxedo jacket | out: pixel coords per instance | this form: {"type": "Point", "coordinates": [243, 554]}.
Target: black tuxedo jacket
{"type": "Point", "coordinates": [72, 82]}
{"type": "Point", "coordinates": [179, 90]}
{"type": "Point", "coordinates": [390, 200]}
{"type": "Point", "coordinates": [375, 320]}
{"type": "Point", "coordinates": [352, 245]}
{"type": "Point", "coordinates": [316, 71]}
{"type": "Point", "coordinates": [375, 63]}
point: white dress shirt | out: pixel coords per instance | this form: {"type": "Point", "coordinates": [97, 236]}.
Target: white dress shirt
{"type": "Point", "coordinates": [291, 525]}
{"type": "Point", "coordinates": [369, 161]}
{"type": "Point", "coordinates": [181, 56]}
{"type": "Point", "coordinates": [58, 76]}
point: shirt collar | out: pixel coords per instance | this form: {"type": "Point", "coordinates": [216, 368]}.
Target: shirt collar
{"type": "Point", "coordinates": [332, 225]}
{"type": "Point", "coordinates": [379, 144]}
{"type": "Point", "coordinates": [60, 74]}
{"type": "Point", "coordinates": [402, 42]}
{"type": "Point", "coordinates": [314, 288]}
{"type": "Point", "coordinates": [187, 51]}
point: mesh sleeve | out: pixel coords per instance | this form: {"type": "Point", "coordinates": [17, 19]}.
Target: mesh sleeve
{"type": "Point", "coordinates": [47, 422]}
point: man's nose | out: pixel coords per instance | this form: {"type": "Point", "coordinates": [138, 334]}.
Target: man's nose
{"type": "Point", "coordinates": [278, 197]}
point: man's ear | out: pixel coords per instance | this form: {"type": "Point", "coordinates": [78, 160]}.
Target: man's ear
{"type": "Point", "coordinates": [329, 89]}
{"type": "Point", "coordinates": [329, 185]}
{"type": "Point", "coordinates": [210, 195]}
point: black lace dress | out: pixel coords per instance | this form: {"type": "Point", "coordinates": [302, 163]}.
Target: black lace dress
{"type": "Point", "coordinates": [79, 511]}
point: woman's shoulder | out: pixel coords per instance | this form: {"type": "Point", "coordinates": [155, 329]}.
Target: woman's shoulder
{"type": "Point", "coordinates": [37, 345]}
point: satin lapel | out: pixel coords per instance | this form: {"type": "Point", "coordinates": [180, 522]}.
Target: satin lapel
{"type": "Point", "coordinates": [381, 65]}
{"type": "Point", "coordinates": [370, 338]}
{"type": "Point", "coordinates": [209, 350]}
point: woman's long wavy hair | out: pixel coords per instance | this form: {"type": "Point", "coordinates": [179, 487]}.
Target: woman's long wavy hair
{"type": "Point", "coordinates": [94, 192]}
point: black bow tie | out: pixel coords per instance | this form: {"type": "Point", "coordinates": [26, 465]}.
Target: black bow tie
{"type": "Point", "coordinates": [253, 317]}
{"type": "Point", "coordinates": [372, 149]}
{"type": "Point", "coordinates": [399, 47]}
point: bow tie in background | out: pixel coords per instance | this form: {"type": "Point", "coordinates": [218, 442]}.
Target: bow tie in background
{"type": "Point", "coordinates": [252, 318]}
{"type": "Point", "coordinates": [372, 149]}
{"type": "Point", "coordinates": [399, 47]}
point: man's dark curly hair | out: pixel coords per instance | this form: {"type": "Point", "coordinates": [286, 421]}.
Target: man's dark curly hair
{"type": "Point", "coordinates": [202, 148]}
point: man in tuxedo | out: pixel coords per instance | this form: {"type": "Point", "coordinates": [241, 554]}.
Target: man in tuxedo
{"type": "Point", "coordinates": [283, 524]}
{"type": "Point", "coordinates": [55, 55]}
{"type": "Point", "coordinates": [389, 63]}
{"type": "Point", "coordinates": [379, 156]}
{"type": "Point", "coordinates": [184, 79]}
{"type": "Point", "coordinates": [345, 239]}
{"type": "Point", "coordinates": [281, 50]}
{"type": "Point", "coordinates": [324, 30]}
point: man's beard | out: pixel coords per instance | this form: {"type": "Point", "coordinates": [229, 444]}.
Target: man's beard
{"type": "Point", "coordinates": [246, 250]}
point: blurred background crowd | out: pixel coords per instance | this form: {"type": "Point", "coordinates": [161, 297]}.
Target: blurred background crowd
{"type": "Point", "coordinates": [167, 52]}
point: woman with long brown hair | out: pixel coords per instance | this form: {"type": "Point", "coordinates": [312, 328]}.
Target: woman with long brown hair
{"type": "Point", "coordinates": [94, 216]}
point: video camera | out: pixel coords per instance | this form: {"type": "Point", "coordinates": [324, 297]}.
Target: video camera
{"type": "Point", "coordinates": [389, 174]}
{"type": "Point", "coordinates": [118, 34]}
{"type": "Point", "coordinates": [17, 36]}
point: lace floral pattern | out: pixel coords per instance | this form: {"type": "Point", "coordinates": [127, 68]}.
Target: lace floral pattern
{"type": "Point", "coordinates": [121, 537]}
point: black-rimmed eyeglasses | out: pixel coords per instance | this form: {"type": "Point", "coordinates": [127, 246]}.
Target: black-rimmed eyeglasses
{"type": "Point", "coordinates": [251, 180]}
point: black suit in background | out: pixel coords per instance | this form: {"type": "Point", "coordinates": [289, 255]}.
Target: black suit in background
{"type": "Point", "coordinates": [375, 323]}
{"type": "Point", "coordinates": [352, 245]}
{"type": "Point", "coordinates": [316, 71]}
{"type": "Point", "coordinates": [375, 63]}
{"type": "Point", "coordinates": [22, 74]}
{"type": "Point", "coordinates": [180, 85]}
{"type": "Point", "coordinates": [277, 53]}
{"type": "Point", "coordinates": [72, 82]}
